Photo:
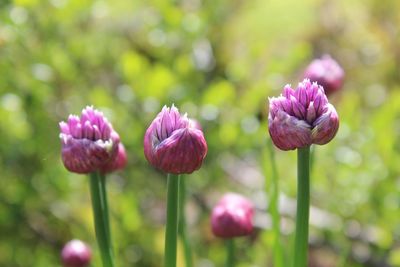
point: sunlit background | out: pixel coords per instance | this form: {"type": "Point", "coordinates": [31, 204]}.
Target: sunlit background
{"type": "Point", "coordinates": [217, 60]}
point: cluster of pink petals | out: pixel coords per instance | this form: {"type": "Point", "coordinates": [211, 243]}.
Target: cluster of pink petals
{"type": "Point", "coordinates": [90, 144]}
{"type": "Point", "coordinates": [173, 143]}
{"type": "Point", "coordinates": [301, 117]}
{"type": "Point", "coordinates": [76, 254]}
{"type": "Point", "coordinates": [232, 216]}
{"type": "Point", "coordinates": [326, 72]}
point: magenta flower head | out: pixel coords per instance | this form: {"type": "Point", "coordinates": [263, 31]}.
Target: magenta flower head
{"type": "Point", "coordinates": [302, 117]}
{"type": "Point", "coordinates": [326, 72]}
{"type": "Point", "coordinates": [173, 143]}
{"type": "Point", "coordinates": [90, 144]}
{"type": "Point", "coordinates": [232, 216]}
{"type": "Point", "coordinates": [76, 254]}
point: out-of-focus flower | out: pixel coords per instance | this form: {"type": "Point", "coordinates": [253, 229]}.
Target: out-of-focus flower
{"type": "Point", "coordinates": [173, 143]}
{"type": "Point", "coordinates": [326, 72]}
{"type": "Point", "coordinates": [232, 216]}
{"type": "Point", "coordinates": [90, 144]}
{"type": "Point", "coordinates": [76, 254]}
{"type": "Point", "coordinates": [302, 117]}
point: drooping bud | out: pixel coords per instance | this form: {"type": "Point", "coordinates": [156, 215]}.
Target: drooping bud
{"type": "Point", "coordinates": [232, 216]}
{"type": "Point", "coordinates": [76, 254]}
{"type": "Point", "coordinates": [173, 143]}
{"type": "Point", "coordinates": [89, 143]}
{"type": "Point", "coordinates": [326, 72]}
{"type": "Point", "coordinates": [301, 117]}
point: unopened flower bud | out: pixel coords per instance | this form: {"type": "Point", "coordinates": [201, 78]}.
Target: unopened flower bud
{"type": "Point", "coordinates": [232, 216]}
{"type": "Point", "coordinates": [301, 117]}
{"type": "Point", "coordinates": [89, 143]}
{"type": "Point", "coordinates": [327, 73]}
{"type": "Point", "coordinates": [76, 254]}
{"type": "Point", "coordinates": [173, 143]}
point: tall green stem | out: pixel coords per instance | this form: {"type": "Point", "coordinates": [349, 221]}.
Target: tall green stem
{"type": "Point", "coordinates": [230, 253]}
{"type": "Point", "coordinates": [274, 208]}
{"type": "Point", "coordinates": [303, 207]}
{"type": "Point", "coordinates": [182, 223]}
{"type": "Point", "coordinates": [101, 217]}
{"type": "Point", "coordinates": [172, 221]}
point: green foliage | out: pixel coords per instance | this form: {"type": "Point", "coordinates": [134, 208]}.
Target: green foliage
{"type": "Point", "coordinates": [219, 61]}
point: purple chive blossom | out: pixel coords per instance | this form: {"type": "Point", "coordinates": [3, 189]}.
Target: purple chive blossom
{"type": "Point", "coordinates": [301, 117]}
{"type": "Point", "coordinates": [232, 216]}
{"type": "Point", "coordinates": [327, 73]}
{"type": "Point", "coordinates": [173, 143]}
{"type": "Point", "coordinates": [76, 254]}
{"type": "Point", "coordinates": [89, 143]}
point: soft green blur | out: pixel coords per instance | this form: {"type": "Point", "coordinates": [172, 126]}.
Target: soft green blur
{"type": "Point", "coordinates": [217, 60]}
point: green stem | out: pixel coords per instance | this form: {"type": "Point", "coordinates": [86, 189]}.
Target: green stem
{"type": "Point", "coordinates": [182, 223]}
{"type": "Point", "coordinates": [172, 221]}
{"type": "Point", "coordinates": [274, 208]}
{"type": "Point", "coordinates": [230, 253]}
{"type": "Point", "coordinates": [303, 207]}
{"type": "Point", "coordinates": [101, 219]}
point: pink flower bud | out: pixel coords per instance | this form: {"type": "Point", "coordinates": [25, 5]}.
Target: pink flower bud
{"type": "Point", "coordinates": [232, 216]}
{"type": "Point", "coordinates": [173, 143]}
{"type": "Point", "coordinates": [89, 143]}
{"type": "Point", "coordinates": [76, 254]}
{"type": "Point", "coordinates": [326, 72]}
{"type": "Point", "coordinates": [301, 117]}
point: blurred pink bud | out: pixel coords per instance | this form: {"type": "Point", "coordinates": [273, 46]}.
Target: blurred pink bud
{"type": "Point", "coordinates": [89, 143]}
{"type": "Point", "coordinates": [301, 117]}
{"type": "Point", "coordinates": [232, 216]}
{"type": "Point", "coordinates": [173, 143]}
{"type": "Point", "coordinates": [326, 72]}
{"type": "Point", "coordinates": [76, 254]}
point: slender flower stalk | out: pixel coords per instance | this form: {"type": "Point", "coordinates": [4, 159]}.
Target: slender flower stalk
{"type": "Point", "coordinates": [182, 224]}
{"type": "Point", "coordinates": [91, 146]}
{"type": "Point", "coordinates": [175, 144]}
{"type": "Point", "coordinates": [303, 207]}
{"type": "Point", "coordinates": [274, 208]}
{"type": "Point", "coordinates": [101, 220]}
{"type": "Point", "coordinates": [172, 220]}
{"type": "Point", "coordinates": [230, 252]}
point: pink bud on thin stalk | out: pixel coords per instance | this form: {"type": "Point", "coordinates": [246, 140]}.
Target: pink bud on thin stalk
{"type": "Point", "coordinates": [301, 117]}
{"type": "Point", "coordinates": [76, 254]}
{"type": "Point", "coordinates": [173, 143]}
{"type": "Point", "coordinates": [232, 216]}
{"type": "Point", "coordinates": [90, 144]}
{"type": "Point", "coordinates": [326, 72]}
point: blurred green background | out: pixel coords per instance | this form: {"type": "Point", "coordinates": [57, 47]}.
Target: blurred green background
{"type": "Point", "coordinates": [217, 60]}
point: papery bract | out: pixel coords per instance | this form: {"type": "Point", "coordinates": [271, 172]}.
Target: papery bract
{"type": "Point", "coordinates": [301, 117]}
{"type": "Point", "coordinates": [232, 216]}
{"type": "Point", "coordinates": [326, 72]}
{"type": "Point", "coordinates": [173, 143]}
{"type": "Point", "coordinates": [76, 254]}
{"type": "Point", "coordinates": [89, 143]}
